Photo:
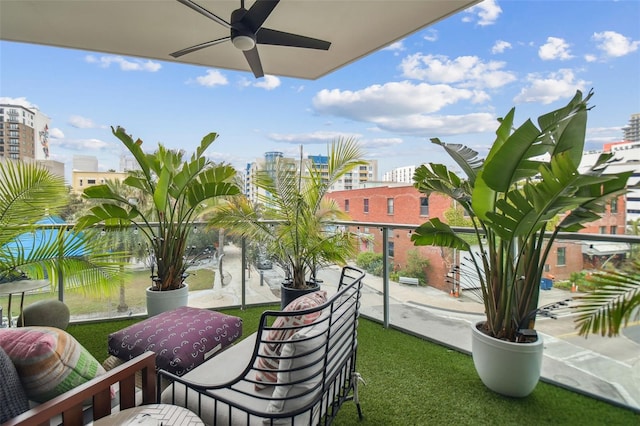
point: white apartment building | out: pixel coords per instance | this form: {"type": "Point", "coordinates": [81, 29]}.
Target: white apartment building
{"type": "Point", "coordinates": [356, 179]}
{"type": "Point", "coordinates": [632, 131]}
{"type": "Point", "coordinates": [24, 133]}
{"type": "Point", "coordinates": [401, 174]}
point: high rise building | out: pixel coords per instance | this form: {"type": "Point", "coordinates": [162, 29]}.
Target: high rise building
{"type": "Point", "coordinates": [632, 131]}
{"type": "Point", "coordinates": [357, 178]}
{"type": "Point", "coordinates": [24, 133]}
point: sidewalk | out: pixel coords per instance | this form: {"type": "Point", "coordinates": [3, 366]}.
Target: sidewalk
{"type": "Point", "coordinates": [611, 373]}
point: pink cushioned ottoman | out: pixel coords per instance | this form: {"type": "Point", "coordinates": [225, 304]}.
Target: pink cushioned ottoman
{"type": "Point", "coordinates": [182, 339]}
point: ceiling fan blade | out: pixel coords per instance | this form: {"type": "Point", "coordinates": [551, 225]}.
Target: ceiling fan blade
{"type": "Point", "coordinates": [279, 38]}
{"type": "Point", "coordinates": [199, 46]}
{"type": "Point", "coordinates": [201, 10]}
{"type": "Point", "coordinates": [254, 62]}
{"type": "Point", "coordinates": [258, 13]}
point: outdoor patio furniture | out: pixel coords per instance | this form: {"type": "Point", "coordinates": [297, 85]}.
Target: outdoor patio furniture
{"type": "Point", "coordinates": [182, 338]}
{"type": "Point", "coordinates": [297, 369]}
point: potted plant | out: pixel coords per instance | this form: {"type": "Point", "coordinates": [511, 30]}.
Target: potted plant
{"type": "Point", "coordinates": [292, 222]}
{"type": "Point", "coordinates": [31, 196]}
{"type": "Point", "coordinates": [527, 190]}
{"type": "Point", "coordinates": [176, 190]}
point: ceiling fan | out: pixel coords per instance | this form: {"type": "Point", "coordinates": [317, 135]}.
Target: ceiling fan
{"type": "Point", "coordinates": [247, 31]}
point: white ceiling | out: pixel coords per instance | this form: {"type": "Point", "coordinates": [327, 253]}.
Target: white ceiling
{"type": "Point", "coordinates": [155, 28]}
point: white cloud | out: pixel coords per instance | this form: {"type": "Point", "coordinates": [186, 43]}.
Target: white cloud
{"type": "Point", "coordinates": [404, 107]}
{"type": "Point", "coordinates": [590, 58]}
{"type": "Point", "coordinates": [604, 134]}
{"type": "Point", "coordinates": [557, 85]}
{"type": "Point", "coordinates": [80, 122]}
{"type": "Point", "coordinates": [212, 78]}
{"type": "Point", "coordinates": [125, 64]}
{"type": "Point", "coordinates": [22, 101]}
{"type": "Point", "coordinates": [56, 133]}
{"type": "Point", "coordinates": [82, 145]}
{"type": "Point", "coordinates": [310, 138]}
{"type": "Point", "coordinates": [487, 13]}
{"type": "Point", "coordinates": [391, 99]}
{"type": "Point", "coordinates": [398, 46]}
{"type": "Point", "coordinates": [500, 46]}
{"type": "Point", "coordinates": [467, 71]}
{"type": "Point", "coordinates": [555, 48]}
{"type": "Point", "coordinates": [268, 82]}
{"type": "Point", "coordinates": [614, 44]}
{"type": "Point", "coordinates": [431, 35]}
{"type": "Point", "coordinates": [380, 142]}
{"type": "Point", "coordinates": [428, 125]}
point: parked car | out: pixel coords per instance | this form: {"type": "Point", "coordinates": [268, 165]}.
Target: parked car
{"type": "Point", "coordinates": [264, 263]}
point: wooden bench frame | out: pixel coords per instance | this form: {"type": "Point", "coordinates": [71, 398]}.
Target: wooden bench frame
{"type": "Point", "coordinates": [318, 366]}
{"type": "Point", "coordinates": [70, 405]}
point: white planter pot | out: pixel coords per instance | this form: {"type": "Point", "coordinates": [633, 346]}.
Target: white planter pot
{"type": "Point", "coordinates": [162, 301]}
{"type": "Point", "coordinates": [510, 369]}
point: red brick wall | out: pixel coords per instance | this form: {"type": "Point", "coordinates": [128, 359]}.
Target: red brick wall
{"type": "Point", "coordinates": [407, 212]}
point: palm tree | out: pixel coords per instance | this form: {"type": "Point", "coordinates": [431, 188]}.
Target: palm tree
{"type": "Point", "coordinates": [293, 219]}
{"type": "Point", "coordinates": [29, 193]}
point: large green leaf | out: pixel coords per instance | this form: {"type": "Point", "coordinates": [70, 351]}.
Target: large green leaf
{"type": "Point", "coordinates": [436, 233]}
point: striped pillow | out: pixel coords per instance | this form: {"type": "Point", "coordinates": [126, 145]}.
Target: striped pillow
{"type": "Point", "coordinates": [271, 348]}
{"type": "Point", "coordinates": [49, 361]}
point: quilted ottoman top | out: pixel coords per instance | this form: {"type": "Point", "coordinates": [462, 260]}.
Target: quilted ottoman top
{"type": "Point", "coordinates": [182, 339]}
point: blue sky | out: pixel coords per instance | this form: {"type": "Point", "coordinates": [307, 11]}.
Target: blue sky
{"type": "Point", "coordinates": [451, 80]}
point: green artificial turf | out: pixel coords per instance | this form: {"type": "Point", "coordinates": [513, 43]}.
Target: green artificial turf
{"type": "Point", "coordinates": [410, 381]}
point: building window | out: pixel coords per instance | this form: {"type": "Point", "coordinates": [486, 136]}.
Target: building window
{"type": "Point", "coordinates": [424, 206]}
{"type": "Point", "coordinates": [562, 256]}
{"type": "Point", "coordinates": [366, 205]}
{"type": "Point", "coordinates": [346, 205]}
{"type": "Point", "coordinates": [389, 205]}
{"type": "Point", "coordinates": [613, 229]}
{"type": "Point", "coordinates": [80, 182]}
{"type": "Point", "coordinates": [603, 229]}
{"type": "Point", "coordinates": [91, 181]}
{"type": "Point", "coordinates": [391, 248]}
{"type": "Point", "coordinates": [614, 206]}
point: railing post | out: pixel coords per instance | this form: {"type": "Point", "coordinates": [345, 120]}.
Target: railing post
{"type": "Point", "coordinates": [244, 272]}
{"type": "Point", "coordinates": [60, 235]}
{"type": "Point", "coordinates": [385, 277]}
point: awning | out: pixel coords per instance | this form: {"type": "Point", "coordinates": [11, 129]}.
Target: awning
{"type": "Point", "coordinates": [601, 248]}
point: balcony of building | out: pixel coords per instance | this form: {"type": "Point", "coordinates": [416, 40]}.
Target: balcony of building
{"type": "Point", "coordinates": [603, 368]}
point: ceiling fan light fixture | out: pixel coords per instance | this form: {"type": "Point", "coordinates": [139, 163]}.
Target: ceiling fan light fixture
{"type": "Point", "coordinates": [244, 42]}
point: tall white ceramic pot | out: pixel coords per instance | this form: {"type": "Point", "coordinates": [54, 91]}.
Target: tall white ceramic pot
{"type": "Point", "coordinates": [510, 369]}
{"type": "Point", "coordinates": [162, 301]}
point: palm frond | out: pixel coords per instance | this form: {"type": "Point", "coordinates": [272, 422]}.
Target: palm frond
{"type": "Point", "coordinates": [614, 303]}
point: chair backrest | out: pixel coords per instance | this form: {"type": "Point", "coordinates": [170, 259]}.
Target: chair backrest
{"type": "Point", "coordinates": [310, 348]}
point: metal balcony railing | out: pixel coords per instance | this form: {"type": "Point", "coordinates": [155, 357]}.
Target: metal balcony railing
{"type": "Point", "coordinates": [425, 311]}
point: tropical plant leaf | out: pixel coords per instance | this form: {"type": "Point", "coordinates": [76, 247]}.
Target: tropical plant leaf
{"type": "Point", "coordinates": [436, 233]}
{"type": "Point", "coordinates": [612, 305]}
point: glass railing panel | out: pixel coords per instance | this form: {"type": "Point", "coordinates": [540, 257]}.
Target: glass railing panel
{"type": "Point", "coordinates": [239, 281]}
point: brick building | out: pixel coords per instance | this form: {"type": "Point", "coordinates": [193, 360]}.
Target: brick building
{"type": "Point", "coordinates": [405, 205]}
{"type": "Point", "coordinates": [400, 205]}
